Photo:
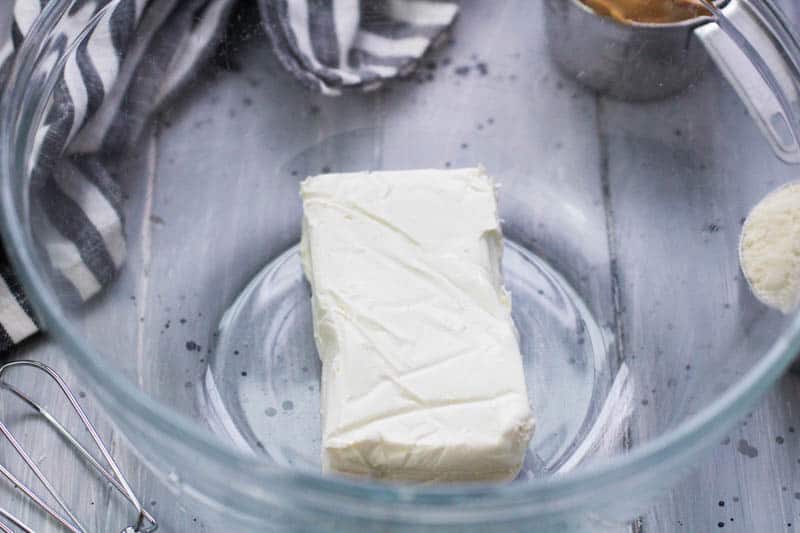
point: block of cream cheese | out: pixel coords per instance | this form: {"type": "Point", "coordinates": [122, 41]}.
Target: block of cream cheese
{"type": "Point", "coordinates": [422, 377]}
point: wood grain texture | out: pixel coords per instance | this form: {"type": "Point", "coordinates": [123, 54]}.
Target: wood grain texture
{"type": "Point", "coordinates": [760, 493]}
{"type": "Point", "coordinates": [99, 506]}
{"type": "Point", "coordinates": [751, 482]}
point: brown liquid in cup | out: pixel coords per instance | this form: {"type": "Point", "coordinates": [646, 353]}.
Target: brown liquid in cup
{"type": "Point", "coordinates": [649, 11]}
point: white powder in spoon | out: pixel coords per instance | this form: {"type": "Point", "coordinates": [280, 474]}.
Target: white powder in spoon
{"type": "Point", "coordinates": [769, 250]}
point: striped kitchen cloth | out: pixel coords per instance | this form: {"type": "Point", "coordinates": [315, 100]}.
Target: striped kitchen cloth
{"type": "Point", "coordinates": [136, 56]}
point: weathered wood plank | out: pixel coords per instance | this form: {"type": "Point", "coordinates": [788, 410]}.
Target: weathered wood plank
{"type": "Point", "coordinates": [751, 482]}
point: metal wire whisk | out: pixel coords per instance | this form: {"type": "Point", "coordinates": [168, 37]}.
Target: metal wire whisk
{"type": "Point", "coordinates": [145, 523]}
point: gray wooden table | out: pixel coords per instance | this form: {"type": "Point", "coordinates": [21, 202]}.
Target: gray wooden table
{"type": "Point", "coordinates": [750, 482]}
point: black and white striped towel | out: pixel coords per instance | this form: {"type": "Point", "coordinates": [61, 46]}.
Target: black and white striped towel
{"type": "Point", "coordinates": [108, 90]}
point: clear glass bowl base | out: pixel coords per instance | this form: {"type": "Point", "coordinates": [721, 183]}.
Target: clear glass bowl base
{"type": "Point", "coordinates": [261, 389]}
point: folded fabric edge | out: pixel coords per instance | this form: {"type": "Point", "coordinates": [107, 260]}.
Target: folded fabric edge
{"type": "Point", "coordinates": [17, 320]}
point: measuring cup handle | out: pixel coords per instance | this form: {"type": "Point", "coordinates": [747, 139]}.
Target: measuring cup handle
{"type": "Point", "coordinates": [751, 58]}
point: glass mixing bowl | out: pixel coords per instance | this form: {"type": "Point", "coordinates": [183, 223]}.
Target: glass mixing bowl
{"type": "Point", "coordinates": [642, 342]}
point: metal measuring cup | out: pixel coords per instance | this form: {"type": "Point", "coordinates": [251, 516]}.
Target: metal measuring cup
{"type": "Point", "coordinates": [647, 61]}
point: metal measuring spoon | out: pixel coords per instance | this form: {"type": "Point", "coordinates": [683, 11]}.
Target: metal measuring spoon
{"type": "Point", "coordinates": [769, 248]}
{"type": "Point", "coordinates": [646, 61]}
